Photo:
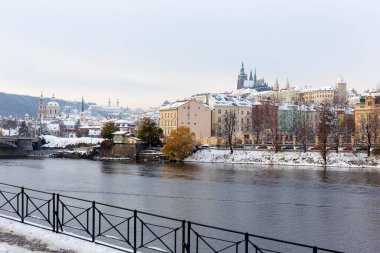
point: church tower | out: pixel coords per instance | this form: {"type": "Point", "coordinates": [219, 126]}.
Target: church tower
{"type": "Point", "coordinates": [287, 87]}
{"type": "Point", "coordinates": [41, 108]}
{"type": "Point", "coordinates": [276, 85]}
{"type": "Point", "coordinates": [82, 115]}
{"type": "Point", "coordinates": [341, 87]}
{"type": "Point", "coordinates": [82, 105]}
{"type": "Point", "coordinates": [241, 77]}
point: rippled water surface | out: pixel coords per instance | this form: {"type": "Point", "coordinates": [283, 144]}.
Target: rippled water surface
{"type": "Point", "coordinates": [329, 208]}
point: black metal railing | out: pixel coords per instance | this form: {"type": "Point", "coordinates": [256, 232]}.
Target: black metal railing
{"type": "Point", "coordinates": [131, 230]}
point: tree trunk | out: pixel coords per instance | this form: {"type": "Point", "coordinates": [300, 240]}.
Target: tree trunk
{"type": "Point", "coordinates": [369, 150]}
{"type": "Point", "coordinates": [230, 144]}
{"type": "Point", "coordinates": [304, 145]}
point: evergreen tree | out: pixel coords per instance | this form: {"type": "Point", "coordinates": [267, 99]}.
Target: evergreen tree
{"type": "Point", "coordinates": [23, 130]}
{"type": "Point", "coordinates": [108, 129]}
{"type": "Point", "coordinates": [149, 132]}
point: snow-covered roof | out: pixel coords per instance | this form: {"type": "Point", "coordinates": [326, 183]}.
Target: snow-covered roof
{"type": "Point", "coordinates": [174, 105]}
{"type": "Point", "coordinates": [121, 132]}
{"type": "Point", "coordinates": [287, 107]}
{"type": "Point", "coordinates": [69, 123]}
{"type": "Point", "coordinates": [244, 91]}
{"type": "Point", "coordinates": [52, 103]}
{"type": "Point", "coordinates": [227, 100]}
{"type": "Point", "coordinates": [317, 89]}
{"type": "Point", "coordinates": [53, 127]}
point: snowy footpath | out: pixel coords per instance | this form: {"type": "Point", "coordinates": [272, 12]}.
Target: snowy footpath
{"type": "Point", "coordinates": [16, 237]}
{"type": "Point", "coordinates": [341, 160]}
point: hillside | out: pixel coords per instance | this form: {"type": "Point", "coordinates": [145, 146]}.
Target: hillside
{"type": "Point", "coordinates": [19, 105]}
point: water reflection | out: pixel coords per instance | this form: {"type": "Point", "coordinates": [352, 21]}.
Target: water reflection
{"type": "Point", "coordinates": [244, 174]}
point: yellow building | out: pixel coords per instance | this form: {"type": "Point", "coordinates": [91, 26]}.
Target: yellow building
{"type": "Point", "coordinates": [283, 96]}
{"type": "Point", "coordinates": [368, 112]}
{"type": "Point", "coordinates": [326, 95]}
{"type": "Point", "coordinates": [190, 113]}
{"type": "Point", "coordinates": [124, 137]}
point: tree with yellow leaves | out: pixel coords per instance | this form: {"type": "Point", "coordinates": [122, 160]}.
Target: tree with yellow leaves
{"type": "Point", "coordinates": [180, 144]}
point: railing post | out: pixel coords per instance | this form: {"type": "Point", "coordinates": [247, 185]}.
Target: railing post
{"type": "Point", "coordinates": [93, 221]}
{"type": "Point", "coordinates": [188, 236]}
{"type": "Point", "coordinates": [315, 249]}
{"type": "Point", "coordinates": [57, 215]}
{"type": "Point", "coordinates": [53, 212]}
{"type": "Point", "coordinates": [22, 204]}
{"type": "Point", "coordinates": [183, 236]}
{"type": "Point", "coordinates": [246, 239]}
{"type": "Point", "coordinates": [134, 231]}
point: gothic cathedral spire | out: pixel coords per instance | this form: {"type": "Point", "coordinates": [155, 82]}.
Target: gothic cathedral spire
{"type": "Point", "coordinates": [241, 77]}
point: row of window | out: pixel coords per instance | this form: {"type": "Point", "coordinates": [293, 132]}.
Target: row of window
{"type": "Point", "coordinates": [320, 96]}
{"type": "Point", "coordinates": [169, 114]}
{"type": "Point", "coordinates": [226, 111]}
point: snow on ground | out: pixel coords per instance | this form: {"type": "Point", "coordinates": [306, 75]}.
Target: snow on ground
{"type": "Point", "coordinates": [59, 142]}
{"type": "Point", "coordinates": [343, 160]}
{"type": "Point", "coordinates": [43, 240]}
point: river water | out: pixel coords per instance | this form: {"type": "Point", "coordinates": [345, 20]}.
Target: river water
{"type": "Point", "coordinates": [329, 208]}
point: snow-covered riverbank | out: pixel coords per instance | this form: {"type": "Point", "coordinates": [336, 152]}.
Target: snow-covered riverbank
{"type": "Point", "coordinates": [358, 160]}
{"type": "Point", "coordinates": [59, 142]}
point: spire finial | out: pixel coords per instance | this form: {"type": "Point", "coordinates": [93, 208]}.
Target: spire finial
{"type": "Point", "coordinates": [242, 72]}
{"type": "Point", "coordinates": [276, 85]}
{"type": "Point", "coordinates": [82, 107]}
{"type": "Point", "coordinates": [341, 79]}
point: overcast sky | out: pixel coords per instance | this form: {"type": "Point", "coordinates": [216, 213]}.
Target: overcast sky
{"type": "Point", "coordinates": [144, 52]}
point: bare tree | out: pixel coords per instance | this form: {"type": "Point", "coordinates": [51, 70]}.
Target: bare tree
{"type": "Point", "coordinates": [227, 128]}
{"type": "Point", "coordinates": [274, 129]}
{"type": "Point", "coordinates": [335, 133]}
{"type": "Point", "coordinates": [257, 122]}
{"type": "Point", "coordinates": [370, 129]}
{"type": "Point", "coordinates": [325, 124]}
{"type": "Point", "coordinates": [347, 127]}
{"type": "Point", "coordinates": [303, 127]}
{"type": "Point", "coordinates": [10, 124]}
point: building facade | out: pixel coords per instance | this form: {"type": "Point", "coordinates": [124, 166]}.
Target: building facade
{"type": "Point", "coordinates": [189, 113]}
{"type": "Point", "coordinates": [367, 115]}
{"type": "Point", "coordinates": [326, 95]}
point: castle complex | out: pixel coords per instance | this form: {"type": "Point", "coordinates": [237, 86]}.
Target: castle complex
{"type": "Point", "coordinates": [252, 82]}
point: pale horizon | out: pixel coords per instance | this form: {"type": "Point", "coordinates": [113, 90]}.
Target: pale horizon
{"type": "Point", "coordinates": [146, 52]}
